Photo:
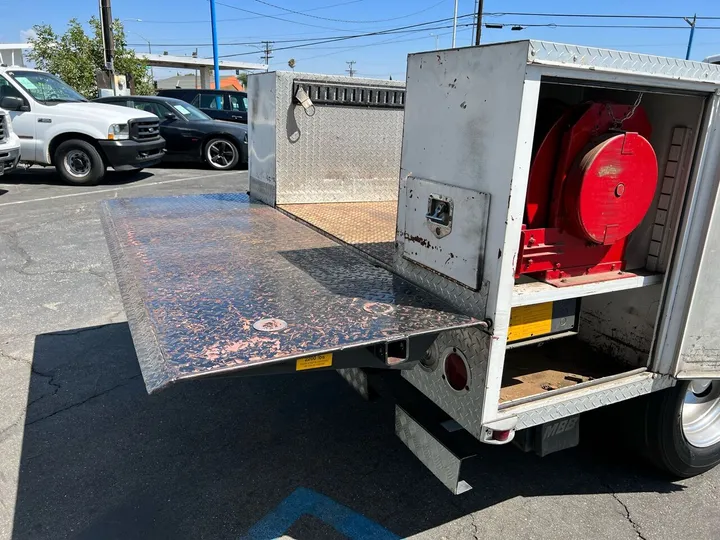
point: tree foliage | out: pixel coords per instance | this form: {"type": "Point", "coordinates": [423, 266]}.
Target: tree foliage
{"type": "Point", "coordinates": [75, 56]}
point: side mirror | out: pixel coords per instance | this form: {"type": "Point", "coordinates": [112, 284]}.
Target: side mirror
{"type": "Point", "coordinates": [12, 103]}
{"type": "Point", "coordinates": [171, 116]}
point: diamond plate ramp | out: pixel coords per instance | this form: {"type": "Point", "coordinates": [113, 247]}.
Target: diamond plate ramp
{"type": "Point", "coordinates": [197, 273]}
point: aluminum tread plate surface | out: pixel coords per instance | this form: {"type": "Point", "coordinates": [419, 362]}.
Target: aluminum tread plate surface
{"type": "Point", "coordinates": [196, 272]}
{"type": "Point", "coordinates": [367, 226]}
{"type": "Point", "coordinates": [545, 52]}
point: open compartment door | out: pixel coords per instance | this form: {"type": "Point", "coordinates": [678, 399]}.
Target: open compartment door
{"type": "Point", "coordinates": [220, 285]}
{"type": "Point", "coordinates": [689, 340]}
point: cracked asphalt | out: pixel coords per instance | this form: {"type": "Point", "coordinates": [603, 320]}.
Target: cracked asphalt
{"type": "Point", "coordinates": [85, 453]}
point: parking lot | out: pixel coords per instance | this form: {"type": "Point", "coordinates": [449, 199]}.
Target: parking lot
{"type": "Point", "coordinates": [86, 453]}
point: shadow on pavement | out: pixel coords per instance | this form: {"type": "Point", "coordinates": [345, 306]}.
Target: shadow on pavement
{"type": "Point", "coordinates": [48, 176]}
{"type": "Point", "coordinates": [211, 459]}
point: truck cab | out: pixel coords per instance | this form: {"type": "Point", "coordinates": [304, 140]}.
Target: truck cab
{"type": "Point", "coordinates": [58, 126]}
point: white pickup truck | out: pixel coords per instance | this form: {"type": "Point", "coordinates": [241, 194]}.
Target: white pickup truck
{"type": "Point", "coordinates": [57, 126]}
{"type": "Point", "coordinates": [9, 144]}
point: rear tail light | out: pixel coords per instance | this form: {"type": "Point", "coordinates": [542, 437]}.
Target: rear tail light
{"type": "Point", "coordinates": [456, 372]}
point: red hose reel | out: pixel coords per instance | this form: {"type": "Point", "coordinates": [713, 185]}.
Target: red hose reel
{"type": "Point", "coordinates": [592, 180]}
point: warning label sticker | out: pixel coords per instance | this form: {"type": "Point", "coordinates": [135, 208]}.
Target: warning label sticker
{"type": "Point", "coordinates": [314, 362]}
{"type": "Point", "coordinates": [530, 321]}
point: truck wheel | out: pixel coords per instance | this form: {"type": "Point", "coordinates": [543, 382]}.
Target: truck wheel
{"type": "Point", "coordinates": [683, 428]}
{"type": "Point", "coordinates": [79, 163]}
{"type": "Point", "coordinates": [221, 154]}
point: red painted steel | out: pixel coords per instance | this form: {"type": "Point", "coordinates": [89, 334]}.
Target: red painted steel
{"type": "Point", "coordinates": [591, 183]}
{"type": "Point", "coordinates": [610, 188]}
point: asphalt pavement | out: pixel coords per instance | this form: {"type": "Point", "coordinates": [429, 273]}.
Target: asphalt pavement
{"type": "Point", "coordinates": [85, 453]}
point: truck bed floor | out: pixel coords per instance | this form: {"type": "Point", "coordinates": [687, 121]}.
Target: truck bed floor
{"type": "Point", "coordinates": [367, 226]}
{"type": "Point", "coordinates": [533, 370]}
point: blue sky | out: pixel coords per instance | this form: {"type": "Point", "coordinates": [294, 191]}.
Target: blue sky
{"type": "Point", "coordinates": [178, 26]}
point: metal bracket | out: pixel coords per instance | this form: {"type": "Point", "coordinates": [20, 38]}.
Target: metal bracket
{"type": "Point", "coordinates": [304, 100]}
{"type": "Point", "coordinates": [437, 457]}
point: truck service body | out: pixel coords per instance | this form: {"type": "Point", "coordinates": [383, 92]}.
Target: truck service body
{"type": "Point", "coordinates": [526, 232]}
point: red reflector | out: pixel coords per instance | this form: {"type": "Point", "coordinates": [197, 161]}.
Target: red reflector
{"type": "Point", "coordinates": [501, 436]}
{"type": "Point", "coordinates": [456, 371]}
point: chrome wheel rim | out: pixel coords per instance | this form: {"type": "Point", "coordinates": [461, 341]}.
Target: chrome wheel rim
{"type": "Point", "coordinates": [701, 413]}
{"type": "Point", "coordinates": [77, 163]}
{"type": "Point", "coordinates": [221, 154]}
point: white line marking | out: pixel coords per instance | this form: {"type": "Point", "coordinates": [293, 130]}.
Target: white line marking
{"type": "Point", "coordinates": [131, 186]}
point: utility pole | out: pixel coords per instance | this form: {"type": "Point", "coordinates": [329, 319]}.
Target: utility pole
{"type": "Point", "coordinates": [108, 42]}
{"type": "Point", "coordinates": [478, 21]}
{"type": "Point", "coordinates": [266, 53]}
{"type": "Point", "coordinates": [216, 60]}
{"type": "Point", "coordinates": [691, 22]}
{"type": "Point", "coordinates": [350, 69]}
{"type": "Point", "coordinates": [454, 24]}
{"type": "Point", "coordinates": [195, 55]}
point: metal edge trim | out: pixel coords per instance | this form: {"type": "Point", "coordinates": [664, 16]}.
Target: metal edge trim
{"type": "Point", "coordinates": [292, 357]}
{"type": "Point", "coordinates": [147, 348]}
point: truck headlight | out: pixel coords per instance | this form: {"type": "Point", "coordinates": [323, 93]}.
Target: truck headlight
{"type": "Point", "coordinates": [245, 139]}
{"type": "Point", "coordinates": [118, 132]}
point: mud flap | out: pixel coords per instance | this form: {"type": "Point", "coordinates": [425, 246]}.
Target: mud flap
{"type": "Point", "coordinates": [219, 285]}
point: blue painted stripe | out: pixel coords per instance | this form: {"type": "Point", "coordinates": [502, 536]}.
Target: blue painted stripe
{"type": "Point", "coordinates": [305, 501]}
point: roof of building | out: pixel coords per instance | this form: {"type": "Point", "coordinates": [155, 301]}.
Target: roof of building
{"type": "Point", "coordinates": [188, 62]}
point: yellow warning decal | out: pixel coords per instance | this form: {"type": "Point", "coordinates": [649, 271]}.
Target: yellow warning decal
{"type": "Point", "coordinates": [530, 321]}
{"type": "Point", "coordinates": [314, 362]}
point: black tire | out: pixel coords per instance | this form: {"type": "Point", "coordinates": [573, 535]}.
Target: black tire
{"type": "Point", "coordinates": [221, 154]}
{"type": "Point", "coordinates": [665, 442]}
{"type": "Point", "coordinates": [78, 162]}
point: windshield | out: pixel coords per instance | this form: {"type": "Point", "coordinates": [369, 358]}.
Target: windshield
{"type": "Point", "coordinates": [189, 111]}
{"type": "Point", "coordinates": [44, 87]}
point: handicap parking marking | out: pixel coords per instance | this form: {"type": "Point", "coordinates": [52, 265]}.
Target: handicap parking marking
{"type": "Point", "coordinates": [305, 501]}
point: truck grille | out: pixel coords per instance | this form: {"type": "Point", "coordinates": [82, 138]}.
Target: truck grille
{"type": "Point", "coordinates": [3, 131]}
{"type": "Point", "coordinates": [144, 130]}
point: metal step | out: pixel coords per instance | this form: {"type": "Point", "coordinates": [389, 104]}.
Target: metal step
{"type": "Point", "coordinates": [218, 285]}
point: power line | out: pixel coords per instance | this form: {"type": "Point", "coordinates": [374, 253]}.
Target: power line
{"type": "Point", "coordinates": [275, 17]}
{"type": "Point", "coordinates": [421, 27]}
{"type": "Point", "coordinates": [588, 15]}
{"type": "Point", "coordinates": [367, 34]}
{"type": "Point", "coordinates": [304, 14]}
{"type": "Point", "coordinates": [205, 21]}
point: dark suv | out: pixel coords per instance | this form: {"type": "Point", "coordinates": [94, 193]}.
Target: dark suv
{"type": "Point", "coordinates": [228, 105]}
